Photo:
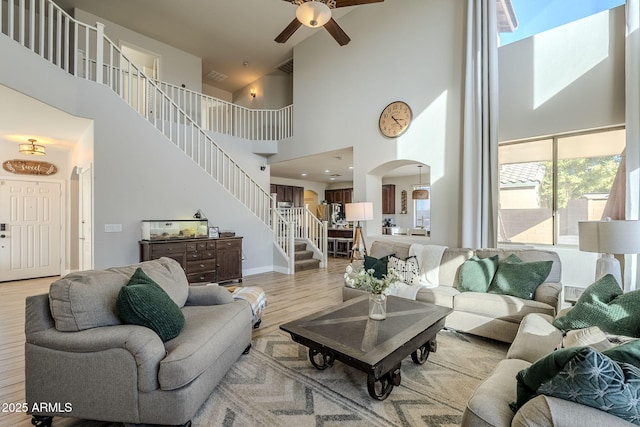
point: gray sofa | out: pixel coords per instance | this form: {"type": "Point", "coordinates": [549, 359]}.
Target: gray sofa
{"type": "Point", "coordinates": [489, 404]}
{"type": "Point", "coordinates": [85, 363]}
{"type": "Point", "coordinates": [484, 314]}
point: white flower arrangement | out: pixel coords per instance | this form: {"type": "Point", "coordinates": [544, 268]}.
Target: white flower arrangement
{"type": "Point", "coordinates": [360, 278]}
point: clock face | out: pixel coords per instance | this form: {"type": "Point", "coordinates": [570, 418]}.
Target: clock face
{"type": "Point", "coordinates": [395, 119]}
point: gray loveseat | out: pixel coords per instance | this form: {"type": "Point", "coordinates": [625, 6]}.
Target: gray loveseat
{"type": "Point", "coordinates": [489, 404]}
{"type": "Point", "coordinates": [83, 362]}
{"type": "Point", "coordinates": [490, 315]}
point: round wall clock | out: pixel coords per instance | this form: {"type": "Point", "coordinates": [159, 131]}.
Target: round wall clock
{"type": "Point", "coordinates": [395, 119]}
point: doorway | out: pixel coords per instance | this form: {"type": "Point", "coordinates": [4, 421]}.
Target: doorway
{"type": "Point", "coordinates": [30, 229]}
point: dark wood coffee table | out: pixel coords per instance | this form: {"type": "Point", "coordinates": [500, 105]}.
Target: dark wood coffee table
{"type": "Point", "coordinates": [376, 347]}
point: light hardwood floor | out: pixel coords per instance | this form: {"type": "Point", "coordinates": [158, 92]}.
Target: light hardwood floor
{"type": "Point", "coordinates": [288, 297]}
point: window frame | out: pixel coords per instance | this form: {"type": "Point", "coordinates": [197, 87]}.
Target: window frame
{"type": "Point", "coordinates": [554, 174]}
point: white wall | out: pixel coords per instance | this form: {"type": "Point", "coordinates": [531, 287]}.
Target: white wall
{"type": "Point", "coordinates": [272, 93]}
{"type": "Point", "coordinates": [176, 66]}
{"type": "Point", "coordinates": [339, 93]}
{"type": "Point", "coordinates": [566, 79]}
{"type": "Point", "coordinates": [138, 174]}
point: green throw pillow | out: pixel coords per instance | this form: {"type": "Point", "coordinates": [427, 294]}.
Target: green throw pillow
{"type": "Point", "coordinates": [476, 273]}
{"type": "Point", "coordinates": [519, 279]}
{"type": "Point", "coordinates": [604, 305]}
{"type": "Point", "coordinates": [379, 266]}
{"type": "Point", "coordinates": [593, 379]}
{"type": "Point", "coordinates": [143, 302]}
{"type": "Point", "coordinates": [547, 367]}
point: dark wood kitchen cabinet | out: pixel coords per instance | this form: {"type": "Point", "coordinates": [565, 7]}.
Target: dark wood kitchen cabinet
{"type": "Point", "coordinates": [289, 193]}
{"type": "Point", "coordinates": [203, 260]}
{"type": "Point", "coordinates": [388, 199]}
{"type": "Point", "coordinates": [341, 195]}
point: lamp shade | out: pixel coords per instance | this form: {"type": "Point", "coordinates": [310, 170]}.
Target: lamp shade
{"type": "Point", "coordinates": [420, 195]}
{"type": "Point", "coordinates": [362, 211]}
{"type": "Point", "coordinates": [609, 237]}
{"type": "Point", "coordinates": [313, 14]}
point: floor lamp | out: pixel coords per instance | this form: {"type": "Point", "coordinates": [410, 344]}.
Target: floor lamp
{"type": "Point", "coordinates": [362, 211]}
{"type": "Point", "coordinates": [607, 238]}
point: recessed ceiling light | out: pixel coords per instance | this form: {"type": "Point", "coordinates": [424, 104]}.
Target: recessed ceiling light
{"type": "Point", "coordinates": [350, 167]}
{"type": "Point", "coordinates": [332, 179]}
{"type": "Point", "coordinates": [303, 174]}
{"type": "Point", "coordinates": [326, 171]}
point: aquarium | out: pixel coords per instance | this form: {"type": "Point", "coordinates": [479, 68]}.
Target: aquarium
{"type": "Point", "coordinates": [174, 229]}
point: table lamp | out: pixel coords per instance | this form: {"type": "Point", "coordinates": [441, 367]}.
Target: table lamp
{"type": "Point", "coordinates": [362, 211]}
{"type": "Point", "coordinates": [609, 237]}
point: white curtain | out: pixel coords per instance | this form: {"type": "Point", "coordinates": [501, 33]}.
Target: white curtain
{"type": "Point", "coordinates": [632, 119]}
{"type": "Point", "coordinates": [479, 184]}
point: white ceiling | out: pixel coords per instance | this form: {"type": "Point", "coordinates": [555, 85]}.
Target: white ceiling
{"type": "Point", "coordinates": [224, 33]}
{"type": "Point", "coordinates": [24, 117]}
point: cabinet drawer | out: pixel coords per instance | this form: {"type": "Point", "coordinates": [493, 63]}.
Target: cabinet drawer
{"type": "Point", "coordinates": [201, 255]}
{"type": "Point", "coordinates": [211, 244]}
{"type": "Point", "coordinates": [167, 249]}
{"type": "Point", "coordinates": [196, 246]}
{"type": "Point", "coordinates": [224, 244]}
{"type": "Point", "coordinates": [201, 266]}
{"type": "Point", "coordinates": [202, 277]}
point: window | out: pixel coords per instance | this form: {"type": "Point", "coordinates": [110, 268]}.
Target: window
{"type": "Point", "coordinates": [533, 17]}
{"type": "Point", "coordinates": [422, 209]}
{"type": "Point", "coordinates": [547, 185]}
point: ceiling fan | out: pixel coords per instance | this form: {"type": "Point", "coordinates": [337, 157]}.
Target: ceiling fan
{"type": "Point", "coordinates": [317, 13]}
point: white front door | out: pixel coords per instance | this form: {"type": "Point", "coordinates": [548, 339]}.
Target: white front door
{"type": "Point", "coordinates": [30, 229]}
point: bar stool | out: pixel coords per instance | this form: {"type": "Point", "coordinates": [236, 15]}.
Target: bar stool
{"type": "Point", "coordinates": [342, 246]}
{"type": "Point", "coordinates": [331, 246]}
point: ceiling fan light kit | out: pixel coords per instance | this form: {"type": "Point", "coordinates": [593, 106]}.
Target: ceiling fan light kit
{"type": "Point", "coordinates": [317, 13]}
{"type": "Point", "coordinates": [313, 14]}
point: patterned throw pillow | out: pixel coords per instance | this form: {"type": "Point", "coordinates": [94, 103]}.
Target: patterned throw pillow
{"type": "Point", "coordinates": [143, 302]}
{"type": "Point", "coordinates": [593, 379]}
{"type": "Point", "coordinates": [408, 269]}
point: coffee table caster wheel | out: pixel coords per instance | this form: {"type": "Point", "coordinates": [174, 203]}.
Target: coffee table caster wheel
{"type": "Point", "coordinates": [326, 361]}
{"type": "Point", "coordinates": [41, 421]}
{"type": "Point", "coordinates": [420, 355]}
{"type": "Point", "coordinates": [381, 389]}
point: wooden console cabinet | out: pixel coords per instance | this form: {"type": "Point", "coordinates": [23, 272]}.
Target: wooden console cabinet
{"type": "Point", "coordinates": [203, 260]}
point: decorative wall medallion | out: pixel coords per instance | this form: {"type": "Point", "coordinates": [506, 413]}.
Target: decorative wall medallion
{"type": "Point", "coordinates": [29, 167]}
{"type": "Point", "coordinates": [403, 202]}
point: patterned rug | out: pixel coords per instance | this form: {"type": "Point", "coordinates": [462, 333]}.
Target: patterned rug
{"type": "Point", "coordinates": [275, 385]}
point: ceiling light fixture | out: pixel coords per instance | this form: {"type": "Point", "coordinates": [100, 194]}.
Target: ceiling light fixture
{"type": "Point", "coordinates": [32, 148]}
{"type": "Point", "coordinates": [420, 194]}
{"type": "Point", "coordinates": [313, 14]}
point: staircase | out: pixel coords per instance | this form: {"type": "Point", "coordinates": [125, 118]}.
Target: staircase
{"type": "Point", "coordinates": [183, 117]}
{"type": "Point", "coordinates": [304, 259]}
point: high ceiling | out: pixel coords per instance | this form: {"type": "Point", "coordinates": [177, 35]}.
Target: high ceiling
{"type": "Point", "coordinates": [224, 33]}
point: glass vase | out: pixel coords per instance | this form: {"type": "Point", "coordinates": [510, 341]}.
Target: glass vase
{"type": "Point", "coordinates": [377, 306]}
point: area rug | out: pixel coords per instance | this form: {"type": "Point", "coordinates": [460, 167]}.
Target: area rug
{"type": "Point", "coordinates": [275, 385]}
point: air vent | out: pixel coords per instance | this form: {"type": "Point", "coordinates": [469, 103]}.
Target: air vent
{"type": "Point", "coordinates": [215, 76]}
{"type": "Point", "coordinates": [286, 67]}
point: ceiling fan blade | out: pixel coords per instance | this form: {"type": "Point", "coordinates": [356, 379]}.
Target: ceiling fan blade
{"type": "Point", "coordinates": [345, 3]}
{"type": "Point", "coordinates": [288, 32]}
{"type": "Point", "coordinates": [338, 33]}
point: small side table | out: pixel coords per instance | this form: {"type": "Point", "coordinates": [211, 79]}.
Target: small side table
{"type": "Point", "coordinates": [572, 294]}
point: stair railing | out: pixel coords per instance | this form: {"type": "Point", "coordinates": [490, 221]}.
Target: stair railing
{"type": "Point", "coordinates": [308, 228]}
{"type": "Point", "coordinates": [283, 236]}
{"type": "Point", "coordinates": [224, 117]}
{"type": "Point", "coordinates": [86, 52]}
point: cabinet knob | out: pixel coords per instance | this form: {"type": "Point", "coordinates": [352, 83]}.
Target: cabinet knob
{"type": "Point", "coordinates": [201, 265]}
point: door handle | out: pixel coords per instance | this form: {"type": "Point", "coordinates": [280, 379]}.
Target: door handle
{"type": "Point", "coordinates": [2, 236]}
